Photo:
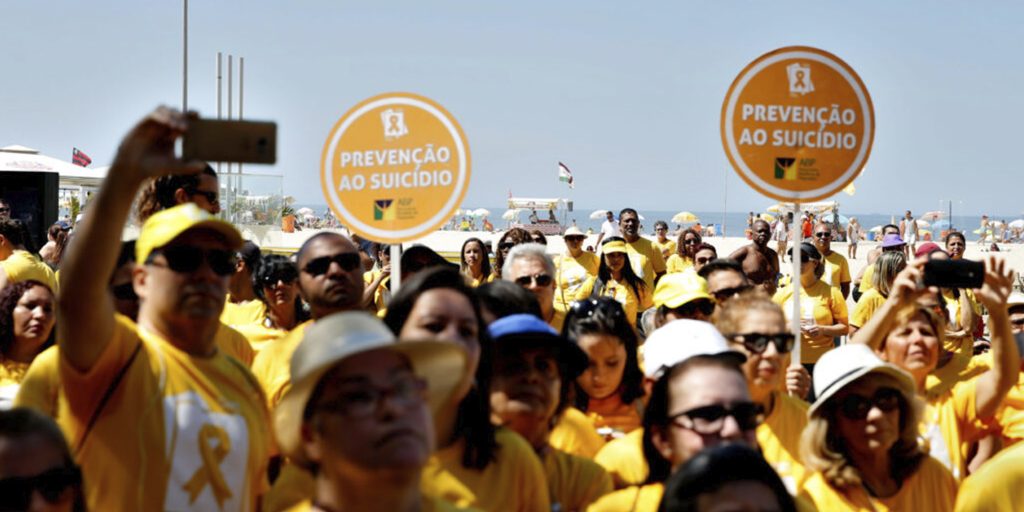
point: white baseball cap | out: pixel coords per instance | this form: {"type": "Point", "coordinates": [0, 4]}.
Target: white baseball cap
{"type": "Point", "coordinates": [842, 365]}
{"type": "Point", "coordinates": [682, 339]}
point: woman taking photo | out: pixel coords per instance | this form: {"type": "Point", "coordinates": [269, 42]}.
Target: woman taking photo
{"type": "Point", "coordinates": [573, 268]}
{"type": "Point", "coordinates": [616, 279]}
{"type": "Point", "coordinates": [476, 464]}
{"type": "Point", "coordinates": [861, 442]}
{"type": "Point", "coordinates": [27, 317]}
{"type": "Point", "coordinates": [610, 390]}
{"type": "Point", "coordinates": [823, 313]}
{"type": "Point", "coordinates": [907, 332]}
{"type": "Point", "coordinates": [689, 239]}
{"type": "Point", "coordinates": [476, 264]}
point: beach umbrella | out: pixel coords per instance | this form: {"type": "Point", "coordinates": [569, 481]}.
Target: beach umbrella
{"type": "Point", "coordinates": [940, 224]}
{"type": "Point", "coordinates": [876, 229]}
{"type": "Point", "coordinates": [510, 215]}
{"type": "Point", "coordinates": [935, 215]}
{"type": "Point", "coordinates": [480, 212]}
{"type": "Point", "coordinates": [995, 223]}
{"type": "Point", "coordinates": [1017, 224]}
{"type": "Point", "coordinates": [768, 217]}
{"type": "Point", "coordinates": [305, 210]}
{"type": "Point", "coordinates": [776, 208]}
{"type": "Point", "coordinates": [923, 224]}
{"type": "Point", "coordinates": [685, 218]}
{"type": "Point", "coordinates": [598, 214]}
{"type": "Point", "coordinates": [828, 218]}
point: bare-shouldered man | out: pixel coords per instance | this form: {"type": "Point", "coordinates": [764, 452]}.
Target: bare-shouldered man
{"type": "Point", "coordinates": [760, 262]}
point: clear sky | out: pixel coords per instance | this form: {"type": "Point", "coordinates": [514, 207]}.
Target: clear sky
{"type": "Point", "coordinates": [628, 94]}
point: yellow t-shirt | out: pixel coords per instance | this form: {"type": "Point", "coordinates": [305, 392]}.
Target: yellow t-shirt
{"type": "Point", "coordinates": [867, 279]}
{"type": "Point", "coordinates": [631, 499]}
{"type": "Point", "coordinates": [571, 272]}
{"type": "Point", "coordinates": [1010, 416]}
{"type": "Point", "coordinates": [623, 458]}
{"type": "Point", "coordinates": [631, 303]}
{"type": "Point", "coordinates": [930, 489]}
{"type": "Point", "coordinates": [950, 425]}
{"type": "Point", "coordinates": [837, 269]}
{"type": "Point", "coordinates": [575, 434]}
{"type": "Point", "coordinates": [23, 266]}
{"type": "Point", "coordinates": [234, 344]}
{"type": "Point", "coordinates": [515, 481]}
{"type": "Point", "coordinates": [962, 366]}
{"type": "Point", "coordinates": [652, 262]}
{"type": "Point", "coordinates": [272, 366]}
{"type": "Point", "coordinates": [180, 432]}
{"type": "Point", "coordinates": [260, 336]}
{"type": "Point", "coordinates": [828, 307]}
{"type": "Point", "coordinates": [614, 415]}
{"type": "Point", "coordinates": [243, 313]}
{"type": "Point", "coordinates": [12, 373]}
{"type": "Point", "coordinates": [40, 387]}
{"type": "Point", "coordinates": [574, 482]}
{"type": "Point", "coordinates": [667, 249]}
{"type": "Point", "coordinates": [997, 485]}
{"type": "Point", "coordinates": [779, 439]}
{"type": "Point", "coordinates": [427, 504]}
{"type": "Point", "coordinates": [474, 282]}
{"type": "Point", "coordinates": [676, 263]}
{"type": "Point", "coordinates": [869, 302]}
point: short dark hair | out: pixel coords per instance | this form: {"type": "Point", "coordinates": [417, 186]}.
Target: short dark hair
{"type": "Point", "coordinates": [311, 240]}
{"type": "Point", "coordinates": [250, 254]}
{"type": "Point", "coordinates": [893, 226]}
{"type": "Point", "coordinates": [713, 468]}
{"type": "Point", "coordinates": [955, 234]}
{"type": "Point", "coordinates": [11, 229]}
{"type": "Point", "coordinates": [628, 210]}
{"type": "Point", "coordinates": [503, 298]}
{"type": "Point", "coordinates": [660, 224]}
{"type": "Point", "coordinates": [720, 264]}
{"type": "Point", "coordinates": [127, 253]}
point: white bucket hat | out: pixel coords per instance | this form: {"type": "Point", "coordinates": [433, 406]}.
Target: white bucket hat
{"type": "Point", "coordinates": [842, 365]}
{"type": "Point", "coordinates": [682, 339]}
{"type": "Point", "coordinates": [573, 231]}
{"type": "Point", "coordinates": [332, 339]}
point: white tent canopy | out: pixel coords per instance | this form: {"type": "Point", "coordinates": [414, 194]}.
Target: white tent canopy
{"type": "Point", "coordinates": [21, 158]}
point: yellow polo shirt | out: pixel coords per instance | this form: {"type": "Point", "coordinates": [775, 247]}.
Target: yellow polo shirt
{"type": "Point", "coordinates": [180, 432]}
{"type": "Point", "coordinates": [570, 274]}
{"type": "Point", "coordinates": [272, 366]}
{"type": "Point", "coordinates": [575, 434]}
{"type": "Point", "coordinates": [826, 304]}
{"type": "Point", "coordinates": [930, 489]}
{"type": "Point", "coordinates": [652, 262]}
{"type": "Point", "coordinates": [837, 269]}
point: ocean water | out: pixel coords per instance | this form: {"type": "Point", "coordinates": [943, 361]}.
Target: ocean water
{"type": "Point", "coordinates": [733, 223]}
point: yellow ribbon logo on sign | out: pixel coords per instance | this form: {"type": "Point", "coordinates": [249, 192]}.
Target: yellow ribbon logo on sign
{"type": "Point", "coordinates": [395, 167]}
{"type": "Point", "coordinates": [209, 472]}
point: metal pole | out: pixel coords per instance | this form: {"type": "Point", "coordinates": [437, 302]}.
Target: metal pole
{"type": "Point", "coordinates": [184, 60]}
{"type": "Point", "coordinates": [230, 189]}
{"type": "Point", "coordinates": [396, 267]}
{"type": "Point", "coordinates": [725, 202]}
{"type": "Point", "coordinates": [219, 89]}
{"type": "Point", "coordinates": [241, 97]}
{"type": "Point", "coordinates": [795, 320]}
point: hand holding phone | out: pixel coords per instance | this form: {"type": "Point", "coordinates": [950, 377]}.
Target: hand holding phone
{"type": "Point", "coordinates": [214, 140]}
{"type": "Point", "coordinates": [964, 274]}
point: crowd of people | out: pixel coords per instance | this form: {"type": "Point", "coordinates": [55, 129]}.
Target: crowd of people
{"type": "Point", "coordinates": [189, 370]}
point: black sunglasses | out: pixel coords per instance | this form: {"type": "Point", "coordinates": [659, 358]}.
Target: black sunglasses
{"type": "Point", "coordinates": [704, 306]}
{"type": "Point", "coordinates": [710, 419]}
{"type": "Point", "coordinates": [757, 343]}
{"type": "Point", "coordinates": [705, 261]}
{"type": "Point", "coordinates": [348, 261]}
{"type": "Point", "coordinates": [188, 258]}
{"type": "Point", "coordinates": [16, 491]}
{"type": "Point", "coordinates": [506, 246]}
{"type": "Point", "coordinates": [606, 306]}
{"type": "Point", "coordinates": [823, 235]}
{"type": "Point", "coordinates": [727, 293]}
{"type": "Point", "coordinates": [284, 277]}
{"type": "Point", "coordinates": [857, 407]}
{"type": "Point", "coordinates": [124, 292]}
{"type": "Point", "coordinates": [542, 280]}
{"type": "Point", "coordinates": [212, 197]}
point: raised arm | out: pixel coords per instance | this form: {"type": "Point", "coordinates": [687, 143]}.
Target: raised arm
{"type": "Point", "coordinates": [904, 290]}
{"type": "Point", "coordinates": [994, 384]}
{"type": "Point", "coordinates": [86, 309]}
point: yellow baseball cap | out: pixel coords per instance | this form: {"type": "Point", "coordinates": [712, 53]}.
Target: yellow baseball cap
{"type": "Point", "coordinates": [613, 246]}
{"type": "Point", "coordinates": [164, 226]}
{"type": "Point", "coordinates": [678, 288]}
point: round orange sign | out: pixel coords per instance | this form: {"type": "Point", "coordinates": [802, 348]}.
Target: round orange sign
{"type": "Point", "coordinates": [797, 124]}
{"type": "Point", "coordinates": [395, 167]}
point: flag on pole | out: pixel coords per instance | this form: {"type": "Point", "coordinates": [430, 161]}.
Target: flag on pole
{"type": "Point", "coordinates": [564, 174]}
{"type": "Point", "coordinates": [80, 158]}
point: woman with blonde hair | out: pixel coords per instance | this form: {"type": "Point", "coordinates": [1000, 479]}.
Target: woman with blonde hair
{"type": "Point", "coordinates": [861, 441]}
{"type": "Point", "coordinates": [886, 266]}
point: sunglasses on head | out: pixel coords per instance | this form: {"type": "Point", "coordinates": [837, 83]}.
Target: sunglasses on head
{"type": "Point", "coordinates": [541, 280]}
{"type": "Point", "coordinates": [348, 261]}
{"type": "Point", "coordinates": [857, 407]}
{"type": "Point", "coordinates": [189, 258]}
{"type": "Point", "coordinates": [210, 196]}
{"type": "Point", "coordinates": [710, 419]}
{"type": "Point", "coordinates": [16, 491]}
{"type": "Point", "coordinates": [757, 343]}
{"type": "Point", "coordinates": [124, 292]}
{"type": "Point", "coordinates": [727, 293]}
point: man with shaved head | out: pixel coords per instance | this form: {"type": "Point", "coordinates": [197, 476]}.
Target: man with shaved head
{"type": "Point", "coordinates": [760, 262]}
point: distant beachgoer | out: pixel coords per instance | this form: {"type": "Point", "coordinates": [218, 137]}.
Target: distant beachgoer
{"type": "Point", "coordinates": [780, 233]}
{"type": "Point", "coordinates": [908, 231]}
{"type": "Point", "coordinates": [853, 233]}
{"type": "Point", "coordinates": [488, 226]}
{"type": "Point", "coordinates": [533, 217]}
{"type": "Point", "coordinates": [609, 228]}
{"type": "Point", "coordinates": [760, 262]}
{"type": "Point", "coordinates": [667, 245]}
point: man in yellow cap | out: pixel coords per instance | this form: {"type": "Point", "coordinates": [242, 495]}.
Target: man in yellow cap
{"type": "Point", "coordinates": [157, 416]}
{"type": "Point", "coordinates": [682, 295]}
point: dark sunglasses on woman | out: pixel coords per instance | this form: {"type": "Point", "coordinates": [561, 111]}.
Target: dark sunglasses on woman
{"type": "Point", "coordinates": [857, 407]}
{"type": "Point", "coordinates": [757, 343]}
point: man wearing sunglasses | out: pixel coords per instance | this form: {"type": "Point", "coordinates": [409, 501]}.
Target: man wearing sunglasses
{"type": "Point", "coordinates": [330, 281]}
{"type": "Point", "coordinates": [725, 279]}
{"type": "Point", "coordinates": [837, 269]}
{"type": "Point", "coordinates": [160, 417]}
{"type": "Point", "coordinates": [529, 266]}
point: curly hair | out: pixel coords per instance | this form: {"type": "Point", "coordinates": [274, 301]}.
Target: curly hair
{"type": "Point", "coordinates": [515, 236]}
{"type": "Point", "coordinates": [681, 247]}
{"type": "Point", "coordinates": [272, 265]}
{"type": "Point", "coordinates": [9, 298]}
{"type": "Point", "coordinates": [606, 316]}
{"type": "Point", "coordinates": [158, 193]}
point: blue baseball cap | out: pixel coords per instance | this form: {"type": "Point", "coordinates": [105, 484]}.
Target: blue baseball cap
{"type": "Point", "coordinates": [525, 331]}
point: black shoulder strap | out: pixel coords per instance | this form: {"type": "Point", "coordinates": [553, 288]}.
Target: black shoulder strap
{"type": "Point", "coordinates": [106, 397]}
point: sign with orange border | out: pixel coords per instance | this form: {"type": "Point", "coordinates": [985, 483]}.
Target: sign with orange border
{"type": "Point", "coordinates": [395, 167]}
{"type": "Point", "coordinates": [797, 124]}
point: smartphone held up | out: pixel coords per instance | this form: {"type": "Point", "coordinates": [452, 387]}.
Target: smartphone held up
{"type": "Point", "coordinates": [954, 273]}
{"type": "Point", "coordinates": [215, 140]}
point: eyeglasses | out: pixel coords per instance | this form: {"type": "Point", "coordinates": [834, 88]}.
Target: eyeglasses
{"type": "Point", "coordinates": [823, 234]}
{"type": "Point", "coordinates": [188, 258]}
{"type": "Point", "coordinates": [284, 277]}
{"type": "Point", "coordinates": [364, 401]}
{"type": "Point", "coordinates": [348, 261]}
{"type": "Point", "coordinates": [757, 343]}
{"type": "Point", "coordinates": [856, 407]}
{"type": "Point", "coordinates": [727, 293]}
{"type": "Point", "coordinates": [16, 491]}
{"type": "Point", "coordinates": [210, 196]}
{"type": "Point", "coordinates": [124, 292]}
{"type": "Point", "coordinates": [690, 309]}
{"type": "Point", "coordinates": [541, 280]}
{"type": "Point", "coordinates": [710, 419]}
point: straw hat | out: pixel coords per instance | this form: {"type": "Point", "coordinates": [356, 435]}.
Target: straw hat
{"type": "Point", "coordinates": [842, 365]}
{"type": "Point", "coordinates": [332, 339]}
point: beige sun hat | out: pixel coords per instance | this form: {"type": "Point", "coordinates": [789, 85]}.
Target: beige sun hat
{"type": "Point", "coordinates": [334, 338]}
{"type": "Point", "coordinates": [842, 365]}
{"type": "Point", "coordinates": [573, 231]}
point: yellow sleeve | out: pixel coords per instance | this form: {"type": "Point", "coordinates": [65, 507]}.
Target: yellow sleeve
{"type": "Point", "coordinates": [84, 390]}
{"type": "Point", "coordinates": [234, 344]}
{"type": "Point", "coordinates": [844, 271]}
{"type": "Point", "coordinates": [574, 434]}
{"type": "Point", "coordinates": [997, 485]}
{"type": "Point", "coordinates": [623, 459]}
{"type": "Point", "coordinates": [965, 405]}
{"type": "Point", "coordinates": [657, 260]}
{"type": "Point", "coordinates": [838, 306]}
{"type": "Point", "coordinates": [586, 289]}
{"type": "Point", "coordinates": [41, 386]}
